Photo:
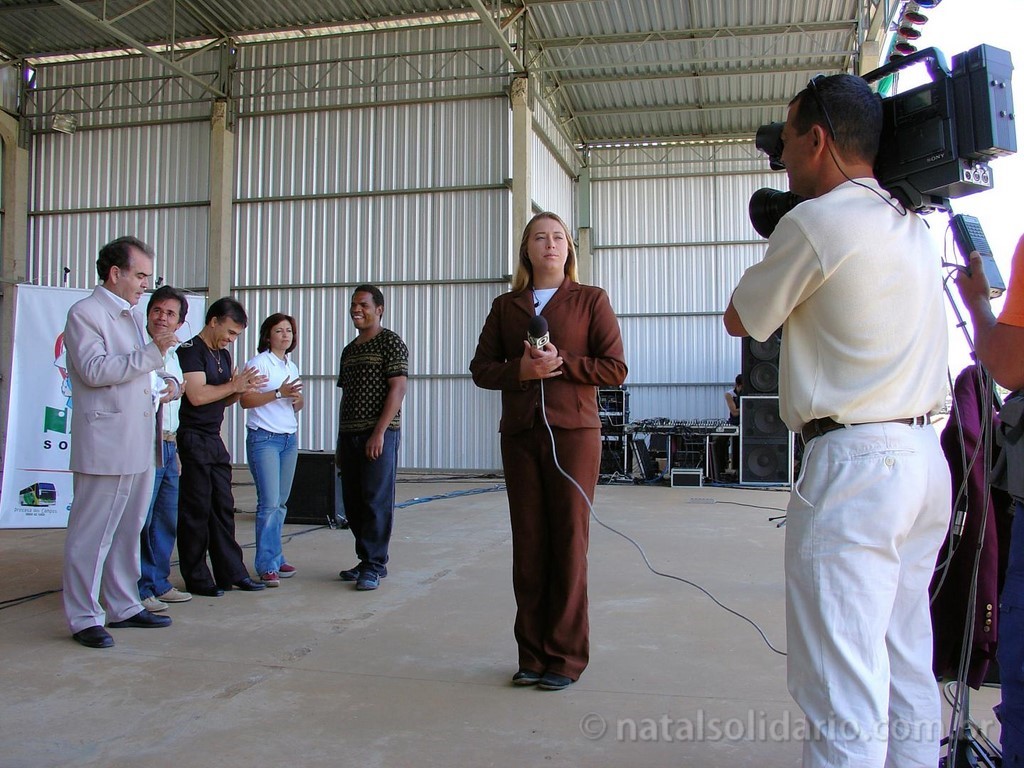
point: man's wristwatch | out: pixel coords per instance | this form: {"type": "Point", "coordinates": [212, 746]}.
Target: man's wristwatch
{"type": "Point", "coordinates": [277, 394]}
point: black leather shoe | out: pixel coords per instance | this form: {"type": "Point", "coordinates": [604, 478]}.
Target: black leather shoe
{"type": "Point", "coordinates": [94, 637]}
{"type": "Point", "coordinates": [526, 677]}
{"type": "Point", "coordinates": [551, 681]}
{"type": "Point", "coordinates": [248, 585]}
{"type": "Point", "coordinates": [142, 619]}
{"type": "Point", "coordinates": [211, 591]}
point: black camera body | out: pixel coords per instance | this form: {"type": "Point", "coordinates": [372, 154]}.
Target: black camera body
{"type": "Point", "coordinates": [937, 139]}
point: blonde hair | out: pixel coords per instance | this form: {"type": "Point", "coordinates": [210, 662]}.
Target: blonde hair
{"type": "Point", "coordinates": [524, 269]}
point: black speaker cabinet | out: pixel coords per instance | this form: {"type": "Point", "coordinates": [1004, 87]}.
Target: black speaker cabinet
{"type": "Point", "coordinates": [766, 444]}
{"type": "Point", "coordinates": [312, 498]}
{"type": "Point", "coordinates": [761, 365]}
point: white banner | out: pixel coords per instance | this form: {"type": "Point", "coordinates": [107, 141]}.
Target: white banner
{"type": "Point", "coordinates": [37, 484]}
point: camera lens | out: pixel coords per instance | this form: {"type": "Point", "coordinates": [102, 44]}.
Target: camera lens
{"type": "Point", "coordinates": [767, 206]}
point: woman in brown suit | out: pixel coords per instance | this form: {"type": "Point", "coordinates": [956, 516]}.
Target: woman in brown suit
{"type": "Point", "coordinates": [550, 518]}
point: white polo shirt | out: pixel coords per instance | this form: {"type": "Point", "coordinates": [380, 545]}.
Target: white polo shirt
{"type": "Point", "coordinates": [857, 289]}
{"type": "Point", "coordinates": [170, 412]}
{"type": "Point", "coordinates": [277, 416]}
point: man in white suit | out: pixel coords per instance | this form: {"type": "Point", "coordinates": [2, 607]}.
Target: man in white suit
{"type": "Point", "coordinates": [113, 445]}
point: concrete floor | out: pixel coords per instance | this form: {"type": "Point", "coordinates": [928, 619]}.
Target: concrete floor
{"type": "Point", "coordinates": [417, 673]}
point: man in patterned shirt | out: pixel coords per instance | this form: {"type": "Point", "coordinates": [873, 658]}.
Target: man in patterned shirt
{"type": "Point", "coordinates": [373, 379]}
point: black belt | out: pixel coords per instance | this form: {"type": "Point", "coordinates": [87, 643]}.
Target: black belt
{"type": "Point", "coordinates": [818, 427]}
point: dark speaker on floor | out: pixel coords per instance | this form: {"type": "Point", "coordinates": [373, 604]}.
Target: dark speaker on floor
{"type": "Point", "coordinates": [766, 444]}
{"type": "Point", "coordinates": [761, 365]}
{"type": "Point", "coordinates": [312, 498]}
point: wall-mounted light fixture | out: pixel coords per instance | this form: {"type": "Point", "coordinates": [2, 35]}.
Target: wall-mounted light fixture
{"type": "Point", "coordinates": [63, 123]}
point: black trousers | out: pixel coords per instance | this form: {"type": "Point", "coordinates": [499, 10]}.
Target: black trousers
{"type": "Point", "coordinates": [206, 513]}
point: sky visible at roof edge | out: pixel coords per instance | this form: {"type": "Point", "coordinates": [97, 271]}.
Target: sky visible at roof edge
{"type": "Point", "coordinates": [953, 27]}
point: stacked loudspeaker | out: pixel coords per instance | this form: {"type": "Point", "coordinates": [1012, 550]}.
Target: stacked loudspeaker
{"type": "Point", "coordinates": [766, 444]}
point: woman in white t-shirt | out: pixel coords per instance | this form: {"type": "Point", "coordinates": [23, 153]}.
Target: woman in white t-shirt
{"type": "Point", "coordinates": [271, 443]}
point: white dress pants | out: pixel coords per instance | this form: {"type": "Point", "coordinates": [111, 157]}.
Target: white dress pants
{"type": "Point", "coordinates": [102, 546]}
{"type": "Point", "coordinates": [865, 522]}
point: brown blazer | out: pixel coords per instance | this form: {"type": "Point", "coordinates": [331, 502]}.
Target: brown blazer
{"type": "Point", "coordinates": [585, 331]}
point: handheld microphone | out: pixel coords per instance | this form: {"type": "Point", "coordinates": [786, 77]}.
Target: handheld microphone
{"type": "Point", "coordinates": [537, 334]}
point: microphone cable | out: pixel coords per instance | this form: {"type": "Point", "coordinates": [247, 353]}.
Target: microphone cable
{"type": "Point", "coordinates": [640, 549]}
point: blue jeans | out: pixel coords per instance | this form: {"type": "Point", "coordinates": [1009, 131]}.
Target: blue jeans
{"type": "Point", "coordinates": [1010, 652]}
{"type": "Point", "coordinates": [369, 492]}
{"type": "Point", "coordinates": [161, 526]}
{"type": "Point", "coordinates": [272, 458]}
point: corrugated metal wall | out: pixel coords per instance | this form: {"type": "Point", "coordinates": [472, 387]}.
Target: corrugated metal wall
{"type": "Point", "coordinates": [378, 157]}
{"type": "Point", "coordinates": [670, 240]}
{"type": "Point", "coordinates": [95, 185]}
{"type": "Point", "coordinates": [384, 158]}
{"type": "Point", "coordinates": [120, 90]}
{"type": "Point", "coordinates": [378, 176]}
{"type": "Point", "coordinates": [138, 165]}
{"type": "Point", "coordinates": [555, 167]}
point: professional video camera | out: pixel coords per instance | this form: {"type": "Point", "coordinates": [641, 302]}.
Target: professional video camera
{"type": "Point", "coordinates": [936, 139]}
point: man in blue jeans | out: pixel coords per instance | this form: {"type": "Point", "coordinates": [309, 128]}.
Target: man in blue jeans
{"type": "Point", "coordinates": [998, 346]}
{"type": "Point", "coordinates": [373, 379]}
{"type": "Point", "coordinates": [166, 312]}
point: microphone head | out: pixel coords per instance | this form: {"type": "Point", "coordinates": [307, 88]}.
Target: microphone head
{"type": "Point", "coordinates": [537, 334]}
{"type": "Point", "coordinates": [538, 326]}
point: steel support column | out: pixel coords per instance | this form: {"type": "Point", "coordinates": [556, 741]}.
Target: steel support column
{"type": "Point", "coordinates": [14, 250]}
{"type": "Point", "coordinates": [222, 158]}
{"type": "Point", "coordinates": [584, 252]}
{"type": "Point", "coordinates": [522, 173]}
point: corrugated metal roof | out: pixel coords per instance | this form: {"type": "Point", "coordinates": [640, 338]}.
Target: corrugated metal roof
{"type": "Point", "coordinates": [670, 71]}
{"type": "Point", "coordinates": [611, 70]}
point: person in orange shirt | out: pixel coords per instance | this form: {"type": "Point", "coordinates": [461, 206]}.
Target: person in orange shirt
{"type": "Point", "coordinates": [999, 346]}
